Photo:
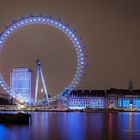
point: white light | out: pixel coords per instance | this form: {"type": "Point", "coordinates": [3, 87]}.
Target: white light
{"type": "Point", "coordinates": [79, 46]}
{"type": "Point", "coordinates": [21, 106]}
{"type": "Point", "coordinates": [42, 90]}
{"type": "Point", "coordinates": [82, 62]}
{"type": "Point", "coordinates": [5, 35]}
{"type": "Point", "coordinates": [52, 21]}
{"type": "Point", "coordinates": [77, 43]}
{"type": "Point", "coordinates": [0, 43]}
{"type": "Point", "coordinates": [18, 24]}
{"type": "Point", "coordinates": [43, 19]}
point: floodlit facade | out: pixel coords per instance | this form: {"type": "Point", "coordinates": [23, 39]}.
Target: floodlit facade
{"type": "Point", "coordinates": [99, 99]}
{"type": "Point", "coordinates": [21, 83]}
{"type": "Point", "coordinates": [81, 99]}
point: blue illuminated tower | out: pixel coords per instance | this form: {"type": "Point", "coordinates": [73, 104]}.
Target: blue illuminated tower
{"type": "Point", "coordinates": [39, 71]}
{"type": "Point", "coordinates": [21, 83]}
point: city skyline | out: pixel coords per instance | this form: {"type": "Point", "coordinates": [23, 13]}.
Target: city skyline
{"type": "Point", "coordinates": [69, 69]}
{"type": "Point", "coordinates": [109, 30]}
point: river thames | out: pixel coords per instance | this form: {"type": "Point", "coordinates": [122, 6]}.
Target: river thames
{"type": "Point", "coordinates": [75, 126]}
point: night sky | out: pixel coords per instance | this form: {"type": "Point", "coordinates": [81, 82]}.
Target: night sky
{"type": "Point", "coordinates": [109, 29]}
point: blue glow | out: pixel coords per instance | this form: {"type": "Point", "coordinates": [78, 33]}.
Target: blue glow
{"type": "Point", "coordinates": [82, 102]}
{"type": "Point", "coordinates": [63, 27]}
{"type": "Point", "coordinates": [82, 62]}
{"type": "Point", "coordinates": [120, 103]}
{"type": "Point", "coordinates": [125, 102]}
{"type": "Point", "coordinates": [3, 131]}
{"type": "Point", "coordinates": [60, 24]}
{"type": "Point", "coordinates": [136, 103]}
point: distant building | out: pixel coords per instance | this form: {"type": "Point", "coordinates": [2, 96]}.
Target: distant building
{"type": "Point", "coordinates": [82, 99]}
{"type": "Point", "coordinates": [22, 83]}
{"type": "Point", "coordinates": [98, 99]}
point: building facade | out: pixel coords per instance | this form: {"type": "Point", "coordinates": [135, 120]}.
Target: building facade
{"type": "Point", "coordinates": [99, 99]}
{"type": "Point", "coordinates": [81, 99]}
{"type": "Point", "coordinates": [22, 83]}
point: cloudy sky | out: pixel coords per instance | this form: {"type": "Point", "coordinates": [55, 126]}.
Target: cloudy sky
{"type": "Point", "coordinates": [109, 29]}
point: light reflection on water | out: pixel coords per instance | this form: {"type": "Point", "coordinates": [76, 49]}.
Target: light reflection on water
{"type": "Point", "coordinates": [75, 126]}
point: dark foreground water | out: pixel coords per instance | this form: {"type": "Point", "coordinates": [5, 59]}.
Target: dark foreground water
{"type": "Point", "coordinates": [75, 126]}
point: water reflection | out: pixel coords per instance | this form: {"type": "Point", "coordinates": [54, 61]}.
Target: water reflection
{"type": "Point", "coordinates": [75, 126]}
{"type": "Point", "coordinates": [13, 132]}
{"type": "Point", "coordinates": [110, 126]}
{"type": "Point", "coordinates": [129, 123]}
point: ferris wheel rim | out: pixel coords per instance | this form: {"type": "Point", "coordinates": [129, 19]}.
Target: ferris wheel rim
{"type": "Point", "coordinates": [56, 23]}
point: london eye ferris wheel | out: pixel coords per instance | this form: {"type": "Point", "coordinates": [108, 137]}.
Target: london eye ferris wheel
{"type": "Point", "coordinates": [56, 23]}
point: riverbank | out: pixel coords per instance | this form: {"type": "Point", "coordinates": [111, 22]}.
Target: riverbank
{"type": "Point", "coordinates": [108, 110]}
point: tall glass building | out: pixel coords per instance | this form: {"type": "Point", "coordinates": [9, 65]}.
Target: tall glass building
{"type": "Point", "coordinates": [21, 83]}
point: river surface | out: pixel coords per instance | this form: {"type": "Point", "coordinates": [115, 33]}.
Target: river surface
{"type": "Point", "coordinates": [75, 126]}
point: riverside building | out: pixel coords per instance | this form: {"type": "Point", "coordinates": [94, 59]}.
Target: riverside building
{"type": "Point", "coordinates": [99, 99]}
